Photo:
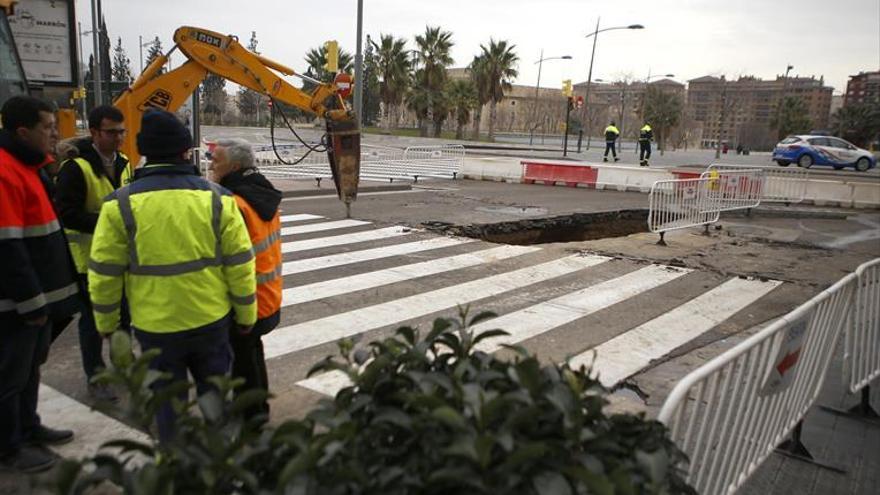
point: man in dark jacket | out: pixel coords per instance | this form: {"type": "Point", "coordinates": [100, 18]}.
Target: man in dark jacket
{"type": "Point", "coordinates": [37, 283]}
{"type": "Point", "coordinates": [611, 135]}
{"type": "Point", "coordinates": [81, 186]}
{"type": "Point", "coordinates": [232, 166]}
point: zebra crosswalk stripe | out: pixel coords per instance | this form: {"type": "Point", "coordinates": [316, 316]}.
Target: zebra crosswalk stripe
{"type": "Point", "coordinates": [328, 329]}
{"type": "Point", "coordinates": [378, 278]}
{"type": "Point", "coordinates": [628, 353]}
{"type": "Point", "coordinates": [542, 317]}
{"type": "Point", "coordinates": [341, 240]}
{"type": "Point", "coordinates": [299, 218]}
{"type": "Point", "coordinates": [340, 259]}
{"type": "Point", "coordinates": [320, 227]}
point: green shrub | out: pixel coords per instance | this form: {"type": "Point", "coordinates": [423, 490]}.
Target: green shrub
{"type": "Point", "coordinates": [426, 415]}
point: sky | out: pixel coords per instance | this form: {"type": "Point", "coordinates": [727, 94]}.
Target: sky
{"type": "Point", "coordinates": [687, 38]}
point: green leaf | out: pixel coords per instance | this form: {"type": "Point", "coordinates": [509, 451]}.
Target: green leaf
{"type": "Point", "coordinates": [485, 315]}
{"type": "Point", "coordinates": [597, 484]}
{"type": "Point", "coordinates": [656, 464]}
{"type": "Point", "coordinates": [395, 417]}
{"type": "Point", "coordinates": [120, 350]}
{"type": "Point", "coordinates": [551, 483]}
{"type": "Point", "coordinates": [130, 446]}
{"type": "Point", "coordinates": [408, 334]}
{"type": "Point", "coordinates": [298, 465]}
{"type": "Point", "coordinates": [440, 326]}
{"type": "Point", "coordinates": [211, 405]}
{"type": "Point", "coordinates": [463, 446]}
{"type": "Point", "coordinates": [450, 417]}
{"type": "Point", "coordinates": [488, 334]}
{"type": "Point", "coordinates": [248, 399]}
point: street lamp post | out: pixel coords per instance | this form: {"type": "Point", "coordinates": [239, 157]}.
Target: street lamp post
{"type": "Point", "coordinates": [142, 45]}
{"type": "Point", "coordinates": [782, 102]}
{"type": "Point", "coordinates": [540, 63]}
{"type": "Point", "coordinates": [595, 35]}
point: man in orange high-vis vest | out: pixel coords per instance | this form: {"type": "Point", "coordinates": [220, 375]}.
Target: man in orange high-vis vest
{"type": "Point", "coordinates": [232, 166]}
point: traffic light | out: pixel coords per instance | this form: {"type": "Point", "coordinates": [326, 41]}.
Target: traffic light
{"type": "Point", "coordinates": [332, 48]}
{"type": "Point", "coordinates": [566, 88]}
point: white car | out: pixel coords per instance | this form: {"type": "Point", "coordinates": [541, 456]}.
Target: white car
{"type": "Point", "coordinates": [811, 150]}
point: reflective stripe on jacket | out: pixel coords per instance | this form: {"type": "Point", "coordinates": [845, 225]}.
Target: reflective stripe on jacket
{"type": "Point", "coordinates": [266, 238]}
{"type": "Point", "coordinates": [96, 189]}
{"type": "Point", "coordinates": [182, 249]}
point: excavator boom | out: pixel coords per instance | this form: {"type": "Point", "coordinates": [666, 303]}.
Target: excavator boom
{"type": "Point", "coordinates": [211, 52]}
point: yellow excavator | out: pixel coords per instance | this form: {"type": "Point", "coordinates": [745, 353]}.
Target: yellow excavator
{"type": "Point", "coordinates": [211, 52]}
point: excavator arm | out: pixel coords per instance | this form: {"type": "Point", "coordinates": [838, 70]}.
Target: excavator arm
{"type": "Point", "coordinates": [211, 52]}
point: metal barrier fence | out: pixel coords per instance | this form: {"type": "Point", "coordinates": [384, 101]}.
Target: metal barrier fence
{"type": "Point", "coordinates": [679, 204]}
{"type": "Point", "coordinates": [733, 189]}
{"type": "Point", "coordinates": [731, 413]}
{"type": "Point", "coordinates": [862, 354]}
{"type": "Point", "coordinates": [781, 185]}
{"type": "Point", "coordinates": [377, 162]}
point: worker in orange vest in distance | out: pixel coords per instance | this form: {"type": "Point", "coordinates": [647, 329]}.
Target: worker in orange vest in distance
{"type": "Point", "coordinates": [232, 166]}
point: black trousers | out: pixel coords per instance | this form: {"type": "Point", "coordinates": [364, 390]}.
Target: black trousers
{"type": "Point", "coordinates": [249, 361]}
{"type": "Point", "coordinates": [644, 150]}
{"type": "Point", "coordinates": [23, 349]}
{"type": "Point", "coordinates": [609, 145]}
{"type": "Point", "coordinates": [203, 353]}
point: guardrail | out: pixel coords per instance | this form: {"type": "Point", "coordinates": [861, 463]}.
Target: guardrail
{"type": "Point", "coordinates": [731, 413]}
{"type": "Point", "coordinates": [862, 344]}
{"type": "Point", "coordinates": [781, 185]}
{"type": "Point", "coordinates": [377, 162]}
{"type": "Point", "coordinates": [679, 204]}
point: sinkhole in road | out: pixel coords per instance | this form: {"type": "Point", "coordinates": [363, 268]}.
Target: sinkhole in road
{"type": "Point", "coordinates": [564, 228]}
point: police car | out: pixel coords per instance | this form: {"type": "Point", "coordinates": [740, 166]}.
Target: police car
{"type": "Point", "coordinates": [810, 150]}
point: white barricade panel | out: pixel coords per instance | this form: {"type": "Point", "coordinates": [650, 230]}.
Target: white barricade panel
{"type": "Point", "coordinates": [862, 358]}
{"type": "Point", "coordinates": [679, 204]}
{"type": "Point", "coordinates": [731, 413]}
{"type": "Point", "coordinates": [781, 185]}
{"type": "Point", "coordinates": [730, 190]}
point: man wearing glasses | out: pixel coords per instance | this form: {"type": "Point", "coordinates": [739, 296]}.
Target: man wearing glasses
{"type": "Point", "coordinates": [82, 184]}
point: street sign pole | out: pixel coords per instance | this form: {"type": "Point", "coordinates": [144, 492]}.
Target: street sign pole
{"type": "Point", "coordinates": [565, 131]}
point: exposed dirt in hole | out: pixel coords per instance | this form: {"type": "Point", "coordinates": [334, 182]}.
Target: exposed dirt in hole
{"type": "Point", "coordinates": [565, 228]}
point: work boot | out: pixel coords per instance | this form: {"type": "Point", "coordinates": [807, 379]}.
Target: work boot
{"type": "Point", "coordinates": [102, 392]}
{"type": "Point", "coordinates": [27, 460]}
{"type": "Point", "coordinates": [605, 159]}
{"type": "Point", "coordinates": [43, 435]}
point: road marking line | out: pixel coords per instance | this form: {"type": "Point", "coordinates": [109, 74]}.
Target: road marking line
{"type": "Point", "coordinates": [299, 218]}
{"type": "Point", "coordinates": [91, 428]}
{"type": "Point", "coordinates": [540, 318]}
{"type": "Point", "coordinates": [340, 240]}
{"type": "Point", "coordinates": [315, 332]}
{"type": "Point", "coordinates": [320, 227]}
{"type": "Point", "coordinates": [310, 264]}
{"type": "Point", "coordinates": [378, 278]}
{"type": "Point", "coordinates": [630, 352]}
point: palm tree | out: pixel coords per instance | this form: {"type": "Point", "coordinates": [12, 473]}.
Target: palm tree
{"type": "Point", "coordinates": [316, 58]}
{"type": "Point", "coordinates": [433, 57]}
{"type": "Point", "coordinates": [859, 124]}
{"type": "Point", "coordinates": [394, 66]}
{"type": "Point", "coordinates": [663, 110]}
{"type": "Point", "coordinates": [500, 62]}
{"type": "Point", "coordinates": [792, 117]}
{"type": "Point", "coordinates": [418, 100]}
{"type": "Point", "coordinates": [462, 97]}
{"type": "Point", "coordinates": [480, 80]}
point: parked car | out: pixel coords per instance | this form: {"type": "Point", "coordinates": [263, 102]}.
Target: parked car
{"type": "Point", "coordinates": [810, 150]}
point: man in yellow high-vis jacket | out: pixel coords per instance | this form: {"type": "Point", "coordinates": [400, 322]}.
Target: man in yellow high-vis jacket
{"type": "Point", "coordinates": [81, 185]}
{"type": "Point", "coordinates": [183, 251]}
